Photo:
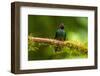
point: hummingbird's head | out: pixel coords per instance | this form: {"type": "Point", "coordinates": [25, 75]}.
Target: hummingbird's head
{"type": "Point", "coordinates": [61, 26]}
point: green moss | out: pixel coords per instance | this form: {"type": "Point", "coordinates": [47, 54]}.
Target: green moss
{"type": "Point", "coordinates": [44, 51]}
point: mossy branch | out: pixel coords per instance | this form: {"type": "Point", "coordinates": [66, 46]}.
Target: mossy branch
{"type": "Point", "coordinates": [70, 44]}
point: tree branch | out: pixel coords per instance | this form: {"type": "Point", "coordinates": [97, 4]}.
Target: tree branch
{"type": "Point", "coordinates": [70, 44]}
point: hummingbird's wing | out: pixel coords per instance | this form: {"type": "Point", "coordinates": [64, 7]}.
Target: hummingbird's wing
{"type": "Point", "coordinates": [64, 36]}
{"type": "Point", "coordinates": [56, 35]}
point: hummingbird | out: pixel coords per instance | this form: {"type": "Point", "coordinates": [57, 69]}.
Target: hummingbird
{"type": "Point", "coordinates": [60, 35]}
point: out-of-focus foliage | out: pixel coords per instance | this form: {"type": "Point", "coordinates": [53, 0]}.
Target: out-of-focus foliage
{"type": "Point", "coordinates": [46, 27]}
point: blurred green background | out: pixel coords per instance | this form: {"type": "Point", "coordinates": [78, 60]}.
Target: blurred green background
{"type": "Point", "coordinates": [46, 26]}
